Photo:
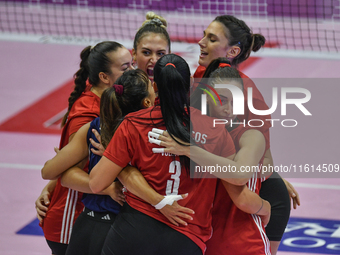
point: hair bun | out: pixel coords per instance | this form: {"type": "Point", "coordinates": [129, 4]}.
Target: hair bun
{"type": "Point", "coordinates": [259, 41]}
{"type": "Point", "coordinates": [153, 18]}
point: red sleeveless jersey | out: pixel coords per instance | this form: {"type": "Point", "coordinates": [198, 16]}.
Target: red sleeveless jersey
{"type": "Point", "coordinates": [234, 231]}
{"type": "Point", "coordinates": [66, 203]}
{"type": "Point", "coordinates": [165, 173]}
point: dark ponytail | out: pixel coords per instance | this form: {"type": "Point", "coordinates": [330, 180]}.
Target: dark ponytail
{"type": "Point", "coordinates": [239, 34]}
{"type": "Point", "coordinates": [172, 76]}
{"type": "Point", "coordinates": [259, 41]}
{"type": "Point", "coordinates": [93, 61]}
{"type": "Point", "coordinates": [115, 104]}
{"type": "Point", "coordinates": [80, 78]}
{"type": "Point", "coordinates": [110, 115]}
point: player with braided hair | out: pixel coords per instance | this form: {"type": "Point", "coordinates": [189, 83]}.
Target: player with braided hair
{"type": "Point", "coordinates": [131, 92]}
{"type": "Point", "coordinates": [57, 206]}
{"type": "Point", "coordinates": [230, 37]}
{"type": "Point", "coordinates": [148, 231]}
{"type": "Point", "coordinates": [94, 59]}
{"type": "Point", "coordinates": [241, 40]}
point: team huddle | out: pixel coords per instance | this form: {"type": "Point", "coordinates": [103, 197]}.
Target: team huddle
{"type": "Point", "coordinates": [122, 180]}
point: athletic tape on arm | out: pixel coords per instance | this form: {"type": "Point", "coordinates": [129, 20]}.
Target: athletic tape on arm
{"type": "Point", "coordinates": [168, 200]}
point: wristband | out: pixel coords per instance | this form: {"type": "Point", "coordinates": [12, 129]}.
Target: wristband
{"type": "Point", "coordinates": [168, 200]}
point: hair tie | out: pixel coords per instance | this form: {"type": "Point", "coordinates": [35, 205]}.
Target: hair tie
{"type": "Point", "coordinates": [155, 21]}
{"type": "Point", "coordinates": [171, 64]}
{"type": "Point", "coordinates": [224, 65]}
{"type": "Point", "coordinates": [118, 89]}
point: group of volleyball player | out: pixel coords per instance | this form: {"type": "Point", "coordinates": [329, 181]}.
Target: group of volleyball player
{"type": "Point", "coordinates": [121, 181]}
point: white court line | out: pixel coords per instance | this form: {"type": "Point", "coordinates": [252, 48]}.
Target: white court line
{"type": "Point", "coordinates": [288, 53]}
{"type": "Point", "coordinates": [21, 166]}
{"type": "Point", "coordinates": [74, 40]}
{"type": "Point", "coordinates": [175, 46]}
{"type": "Point", "coordinates": [315, 186]}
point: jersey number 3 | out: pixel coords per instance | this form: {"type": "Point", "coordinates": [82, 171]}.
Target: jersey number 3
{"type": "Point", "coordinates": [173, 184]}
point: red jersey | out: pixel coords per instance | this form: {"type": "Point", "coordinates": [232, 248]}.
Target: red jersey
{"type": "Point", "coordinates": [235, 231]}
{"type": "Point", "coordinates": [199, 72]}
{"type": "Point", "coordinates": [66, 203]}
{"type": "Point", "coordinates": [164, 172]}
